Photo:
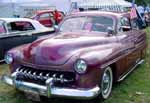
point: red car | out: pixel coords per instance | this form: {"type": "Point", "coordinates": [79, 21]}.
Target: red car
{"type": "Point", "coordinates": [89, 53]}
{"type": "Point", "coordinates": [47, 17]}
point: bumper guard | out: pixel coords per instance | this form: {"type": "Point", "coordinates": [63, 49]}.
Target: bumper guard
{"type": "Point", "coordinates": [49, 90]}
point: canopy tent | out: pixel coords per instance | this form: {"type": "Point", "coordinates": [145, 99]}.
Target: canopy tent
{"type": "Point", "coordinates": [114, 5]}
{"type": "Point", "coordinates": [17, 1]}
{"type": "Point", "coordinates": [15, 8]}
{"type": "Point", "coordinates": [24, 8]}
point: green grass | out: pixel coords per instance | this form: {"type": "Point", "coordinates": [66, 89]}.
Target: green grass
{"type": "Point", "coordinates": [7, 93]}
{"type": "Point", "coordinates": [134, 89]}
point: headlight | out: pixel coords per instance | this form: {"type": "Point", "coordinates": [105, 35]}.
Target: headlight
{"type": "Point", "coordinates": [8, 58]}
{"type": "Point", "coordinates": [80, 66]}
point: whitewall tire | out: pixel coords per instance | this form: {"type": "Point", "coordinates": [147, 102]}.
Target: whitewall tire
{"type": "Point", "coordinates": [106, 83]}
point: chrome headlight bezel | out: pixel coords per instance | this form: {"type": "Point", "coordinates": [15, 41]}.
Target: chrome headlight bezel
{"type": "Point", "coordinates": [9, 58]}
{"type": "Point", "coordinates": [80, 66]}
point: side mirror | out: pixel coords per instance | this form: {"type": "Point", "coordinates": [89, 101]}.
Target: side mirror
{"type": "Point", "coordinates": [126, 28]}
{"type": "Point", "coordinates": [110, 31]}
{"type": "Point", "coordinates": [56, 28]}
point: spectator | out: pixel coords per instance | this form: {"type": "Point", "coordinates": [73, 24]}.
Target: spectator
{"type": "Point", "coordinates": [56, 17]}
{"type": "Point", "coordinates": [140, 17]}
{"type": "Point", "coordinates": [147, 18]}
{"type": "Point", "coordinates": [147, 9]}
{"type": "Point", "coordinates": [141, 10]}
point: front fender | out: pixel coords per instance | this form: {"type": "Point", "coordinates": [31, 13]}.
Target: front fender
{"type": "Point", "coordinates": [97, 57]}
{"type": "Point", "coordinates": [94, 59]}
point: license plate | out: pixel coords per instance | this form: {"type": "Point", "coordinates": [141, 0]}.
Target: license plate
{"type": "Point", "coordinates": [32, 96]}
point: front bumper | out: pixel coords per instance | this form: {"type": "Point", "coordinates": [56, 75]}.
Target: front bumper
{"type": "Point", "coordinates": [49, 90]}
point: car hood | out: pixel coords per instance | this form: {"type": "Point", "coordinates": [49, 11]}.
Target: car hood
{"type": "Point", "coordinates": [58, 49]}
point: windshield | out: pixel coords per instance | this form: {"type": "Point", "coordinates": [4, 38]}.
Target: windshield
{"type": "Point", "coordinates": [87, 23]}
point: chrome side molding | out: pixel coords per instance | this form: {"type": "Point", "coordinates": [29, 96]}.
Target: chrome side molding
{"type": "Point", "coordinates": [124, 76]}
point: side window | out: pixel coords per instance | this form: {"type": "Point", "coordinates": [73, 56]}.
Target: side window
{"type": "Point", "coordinates": [124, 24]}
{"type": "Point", "coordinates": [124, 21]}
{"type": "Point", "coordinates": [9, 27]}
{"type": "Point", "coordinates": [27, 26]}
{"type": "Point", "coordinates": [2, 28]}
{"type": "Point", "coordinates": [101, 23]}
{"type": "Point", "coordinates": [20, 26]}
{"type": "Point", "coordinates": [51, 15]}
{"type": "Point", "coordinates": [45, 16]}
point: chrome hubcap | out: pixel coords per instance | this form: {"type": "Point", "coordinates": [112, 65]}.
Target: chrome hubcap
{"type": "Point", "coordinates": [106, 83]}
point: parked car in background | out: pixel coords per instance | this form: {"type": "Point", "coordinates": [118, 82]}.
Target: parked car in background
{"type": "Point", "coordinates": [47, 17]}
{"type": "Point", "coordinates": [89, 53]}
{"type": "Point", "coordinates": [17, 31]}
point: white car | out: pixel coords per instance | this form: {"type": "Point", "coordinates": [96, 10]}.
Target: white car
{"type": "Point", "coordinates": [10, 25]}
{"type": "Point", "coordinates": [17, 31]}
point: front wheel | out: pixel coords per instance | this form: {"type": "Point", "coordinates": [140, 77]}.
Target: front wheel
{"type": "Point", "coordinates": [106, 83]}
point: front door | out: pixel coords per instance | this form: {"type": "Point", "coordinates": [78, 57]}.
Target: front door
{"type": "Point", "coordinates": [46, 20]}
{"type": "Point", "coordinates": [130, 53]}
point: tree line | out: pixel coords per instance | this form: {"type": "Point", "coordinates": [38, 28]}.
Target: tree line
{"type": "Point", "coordinates": [141, 2]}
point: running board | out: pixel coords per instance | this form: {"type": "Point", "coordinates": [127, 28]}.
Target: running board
{"type": "Point", "coordinates": [138, 63]}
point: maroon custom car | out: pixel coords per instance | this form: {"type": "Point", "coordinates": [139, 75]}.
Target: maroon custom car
{"type": "Point", "coordinates": [89, 53]}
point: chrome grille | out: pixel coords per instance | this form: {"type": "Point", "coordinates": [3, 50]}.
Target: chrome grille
{"type": "Point", "coordinates": [40, 76]}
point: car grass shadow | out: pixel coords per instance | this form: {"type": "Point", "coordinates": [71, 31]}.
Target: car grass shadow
{"type": "Point", "coordinates": [66, 100]}
{"type": "Point", "coordinates": [2, 62]}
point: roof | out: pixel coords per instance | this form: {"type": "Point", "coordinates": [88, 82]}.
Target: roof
{"type": "Point", "coordinates": [35, 23]}
{"type": "Point", "coordinates": [17, 19]}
